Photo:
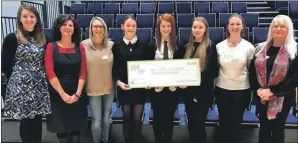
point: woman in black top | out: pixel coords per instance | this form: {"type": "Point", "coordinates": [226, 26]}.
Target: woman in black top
{"type": "Point", "coordinates": [164, 100]}
{"type": "Point", "coordinates": [273, 76]}
{"type": "Point", "coordinates": [27, 97]}
{"type": "Point", "coordinates": [198, 99]}
{"type": "Point", "coordinates": [131, 100]}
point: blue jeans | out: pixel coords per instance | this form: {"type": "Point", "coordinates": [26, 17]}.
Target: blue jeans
{"type": "Point", "coordinates": [101, 109]}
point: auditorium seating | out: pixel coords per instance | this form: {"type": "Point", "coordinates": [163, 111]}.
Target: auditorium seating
{"type": "Point", "coordinates": [210, 17]}
{"type": "Point", "coordinates": [145, 20]}
{"type": "Point", "coordinates": [108, 18]}
{"type": "Point", "coordinates": [202, 7]}
{"type": "Point", "coordinates": [239, 7]}
{"type": "Point", "coordinates": [130, 8]}
{"type": "Point", "coordinates": [146, 12]}
{"type": "Point", "coordinates": [95, 8]}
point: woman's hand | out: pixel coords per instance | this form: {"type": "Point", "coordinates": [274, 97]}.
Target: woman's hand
{"type": "Point", "coordinates": [158, 89]}
{"type": "Point", "coordinates": [123, 86]}
{"type": "Point", "coordinates": [182, 86]}
{"type": "Point", "coordinates": [172, 88]}
{"type": "Point", "coordinates": [74, 98]}
{"type": "Point", "coordinates": [264, 94]}
{"type": "Point", "coordinates": [65, 97]}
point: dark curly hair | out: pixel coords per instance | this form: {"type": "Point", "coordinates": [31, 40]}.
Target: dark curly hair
{"type": "Point", "coordinates": [76, 36]}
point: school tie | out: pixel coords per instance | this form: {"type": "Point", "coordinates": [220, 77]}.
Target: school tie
{"type": "Point", "coordinates": [165, 50]}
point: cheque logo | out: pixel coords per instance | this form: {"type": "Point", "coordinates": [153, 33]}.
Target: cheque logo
{"type": "Point", "coordinates": [191, 63]}
{"type": "Point", "coordinates": [134, 67]}
{"type": "Point", "coordinates": [141, 71]}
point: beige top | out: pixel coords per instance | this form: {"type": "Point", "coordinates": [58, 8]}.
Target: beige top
{"type": "Point", "coordinates": [99, 62]}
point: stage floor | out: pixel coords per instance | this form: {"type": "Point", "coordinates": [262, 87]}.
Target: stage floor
{"type": "Point", "coordinates": [10, 133]}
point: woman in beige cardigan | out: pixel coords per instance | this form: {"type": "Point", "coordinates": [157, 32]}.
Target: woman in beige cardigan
{"type": "Point", "coordinates": [99, 61]}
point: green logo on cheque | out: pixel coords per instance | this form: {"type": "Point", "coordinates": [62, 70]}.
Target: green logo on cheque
{"type": "Point", "coordinates": [134, 67]}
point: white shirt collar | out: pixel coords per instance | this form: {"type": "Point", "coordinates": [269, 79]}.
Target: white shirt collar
{"type": "Point", "coordinates": [132, 41]}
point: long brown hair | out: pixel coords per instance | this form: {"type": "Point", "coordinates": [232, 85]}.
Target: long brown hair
{"type": "Point", "coordinates": [205, 44]}
{"type": "Point", "coordinates": [38, 35]}
{"type": "Point", "coordinates": [169, 18]}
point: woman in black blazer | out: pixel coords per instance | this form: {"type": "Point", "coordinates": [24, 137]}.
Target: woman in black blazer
{"type": "Point", "coordinates": [198, 99]}
{"type": "Point", "coordinates": [273, 76]}
{"type": "Point", "coordinates": [164, 100]}
{"type": "Point", "coordinates": [131, 100]}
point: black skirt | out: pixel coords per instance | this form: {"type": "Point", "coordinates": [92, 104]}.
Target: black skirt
{"type": "Point", "coordinates": [131, 97]}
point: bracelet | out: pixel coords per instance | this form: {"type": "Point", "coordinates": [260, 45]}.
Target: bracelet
{"type": "Point", "coordinates": [118, 82]}
{"type": "Point", "coordinates": [77, 95]}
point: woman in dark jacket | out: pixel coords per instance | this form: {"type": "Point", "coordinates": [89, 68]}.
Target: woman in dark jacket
{"type": "Point", "coordinates": [198, 99]}
{"type": "Point", "coordinates": [164, 100]}
{"type": "Point", "coordinates": [131, 100]}
{"type": "Point", "coordinates": [273, 76]}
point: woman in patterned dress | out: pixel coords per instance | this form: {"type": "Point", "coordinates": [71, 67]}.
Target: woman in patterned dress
{"type": "Point", "coordinates": [66, 70]}
{"type": "Point", "coordinates": [27, 97]}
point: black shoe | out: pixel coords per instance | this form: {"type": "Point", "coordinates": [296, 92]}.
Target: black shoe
{"type": "Point", "coordinates": [63, 140]}
{"type": "Point", "coordinates": [75, 139]}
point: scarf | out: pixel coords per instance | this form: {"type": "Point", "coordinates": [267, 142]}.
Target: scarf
{"type": "Point", "coordinates": [278, 73]}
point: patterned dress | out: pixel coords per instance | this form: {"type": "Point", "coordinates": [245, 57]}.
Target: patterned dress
{"type": "Point", "coordinates": [27, 89]}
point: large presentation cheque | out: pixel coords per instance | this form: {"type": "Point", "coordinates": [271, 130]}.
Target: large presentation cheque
{"type": "Point", "coordinates": [163, 73]}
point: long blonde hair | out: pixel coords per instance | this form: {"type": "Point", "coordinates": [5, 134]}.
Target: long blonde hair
{"type": "Point", "coordinates": [105, 39]}
{"type": "Point", "coordinates": [202, 49]}
{"type": "Point", "coordinates": [290, 42]}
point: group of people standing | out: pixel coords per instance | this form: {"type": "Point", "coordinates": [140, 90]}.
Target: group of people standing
{"type": "Point", "coordinates": [50, 78]}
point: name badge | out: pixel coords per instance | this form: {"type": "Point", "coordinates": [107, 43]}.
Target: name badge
{"type": "Point", "coordinates": [105, 57]}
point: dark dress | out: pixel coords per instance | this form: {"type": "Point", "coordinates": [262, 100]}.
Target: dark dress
{"type": "Point", "coordinates": [123, 53]}
{"type": "Point", "coordinates": [27, 89]}
{"type": "Point", "coordinates": [66, 117]}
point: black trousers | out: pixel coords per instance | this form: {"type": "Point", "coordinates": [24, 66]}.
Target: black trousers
{"type": "Point", "coordinates": [69, 137]}
{"type": "Point", "coordinates": [196, 115]}
{"type": "Point", "coordinates": [231, 106]}
{"type": "Point", "coordinates": [31, 130]}
{"type": "Point", "coordinates": [273, 131]}
{"type": "Point", "coordinates": [164, 105]}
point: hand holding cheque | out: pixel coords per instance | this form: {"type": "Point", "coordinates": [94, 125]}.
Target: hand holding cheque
{"type": "Point", "coordinates": [164, 73]}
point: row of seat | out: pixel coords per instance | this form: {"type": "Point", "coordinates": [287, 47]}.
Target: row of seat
{"type": "Point", "coordinates": [180, 116]}
{"type": "Point", "coordinates": [161, 7]}
{"type": "Point", "coordinates": [290, 6]}
{"type": "Point", "coordinates": [216, 34]}
{"type": "Point", "coordinates": [183, 19]}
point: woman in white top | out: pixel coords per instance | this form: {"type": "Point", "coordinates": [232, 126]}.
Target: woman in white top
{"type": "Point", "coordinates": [232, 86]}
